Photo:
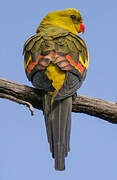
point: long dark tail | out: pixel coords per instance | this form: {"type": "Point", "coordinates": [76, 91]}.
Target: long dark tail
{"type": "Point", "coordinates": [58, 125]}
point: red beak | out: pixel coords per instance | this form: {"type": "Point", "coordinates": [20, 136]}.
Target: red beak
{"type": "Point", "coordinates": [82, 28]}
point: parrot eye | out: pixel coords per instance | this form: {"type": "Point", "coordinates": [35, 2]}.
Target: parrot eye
{"type": "Point", "coordinates": [73, 17]}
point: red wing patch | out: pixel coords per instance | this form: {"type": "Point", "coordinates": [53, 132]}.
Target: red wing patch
{"type": "Point", "coordinates": [59, 59]}
{"type": "Point", "coordinates": [77, 66]}
{"type": "Point", "coordinates": [32, 64]}
{"type": "Point", "coordinates": [62, 62]}
{"type": "Point", "coordinates": [65, 62]}
{"type": "Point", "coordinates": [41, 60]}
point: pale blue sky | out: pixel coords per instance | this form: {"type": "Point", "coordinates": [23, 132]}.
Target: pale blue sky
{"type": "Point", "coordinates": [24, 151]}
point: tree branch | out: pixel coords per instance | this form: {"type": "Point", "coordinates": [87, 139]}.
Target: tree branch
{"type": "Point", "coordinates": [12, 98]}
{"type": "Point", "coordinates": [32, 97]}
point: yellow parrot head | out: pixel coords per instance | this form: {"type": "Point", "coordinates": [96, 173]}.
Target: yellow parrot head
{"type": "Point", "coordinates": [69, 19]}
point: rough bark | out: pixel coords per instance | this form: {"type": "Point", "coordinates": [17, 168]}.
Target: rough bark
{"type": "Point", "coordinates": [32, 97]}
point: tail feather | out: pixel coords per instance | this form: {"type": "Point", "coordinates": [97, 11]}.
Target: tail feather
{"type": "Point", "coordinates": [47, 108]}
{"type": "Point", "coordinates": [58, 125]}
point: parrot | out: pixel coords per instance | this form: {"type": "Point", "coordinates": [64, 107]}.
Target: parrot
{"type": "Point", "coordinates": [56, 61]}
